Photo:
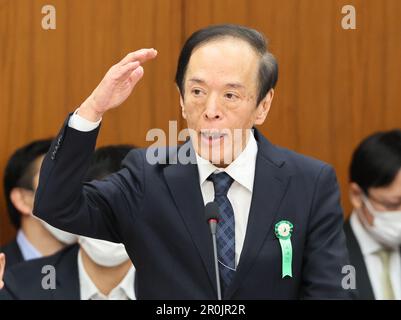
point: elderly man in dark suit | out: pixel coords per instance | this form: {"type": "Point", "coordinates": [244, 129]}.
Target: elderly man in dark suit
{"type": "Point", "coordinates": [279, 234]}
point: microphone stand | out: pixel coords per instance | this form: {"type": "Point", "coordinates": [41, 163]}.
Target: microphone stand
{"type": "Point", "coordinates": [212, 224]}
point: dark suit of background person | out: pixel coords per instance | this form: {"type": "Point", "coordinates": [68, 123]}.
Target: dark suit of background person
{"type": "Point", "coordinates": [24, 281]}
{"type": "Point", "coordinates": [157, 211]}
{"type": "Point", "coordinates": [12, 252]}
{"type": "Point", "coordinates": [365, 291]}
{"type": "Point", "coordinates": [375, 186]}
{"type": "Point", "coordinates": [34, 238]}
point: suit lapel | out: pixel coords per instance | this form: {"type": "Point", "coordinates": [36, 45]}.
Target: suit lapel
{"type": "Point", "coordinates": [183, 182]}
{"type": "Point", "coordinates": [364, 286]}
{"type": "Point", "coordinates": [270, 184]}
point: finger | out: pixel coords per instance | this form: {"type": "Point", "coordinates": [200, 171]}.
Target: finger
{"type": "Point", "coordinates": [2, 266]}
{"type": "Point", "coordinates": [2, 260]}
{"type": "Point", "coordinates": [136, 75]}
{"type": "Point", "coordinates": [125, 70]}
{"type": "Point", "coordinates": [141, 55]}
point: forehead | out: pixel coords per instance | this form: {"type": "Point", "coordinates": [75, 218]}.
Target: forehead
{"type": "Point", "coordinates": [224, 60]}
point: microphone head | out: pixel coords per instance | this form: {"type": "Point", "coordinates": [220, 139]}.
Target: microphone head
{"type": "Point", "coordinates": [212, 211]}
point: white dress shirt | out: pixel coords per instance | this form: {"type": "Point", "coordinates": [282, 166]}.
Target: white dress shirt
{"type": "Point", "coordinates": [88, 290]}
{"type": "Point", "coordinates": [28, 251]}
{"type": "Point", "coordinates": [81, 124]}
{"type": "Point", "coordinates": [242, 170]}
{"type": "Point", "coordinates": [369, 247]}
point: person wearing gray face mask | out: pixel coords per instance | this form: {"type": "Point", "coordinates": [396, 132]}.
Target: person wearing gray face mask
{"type": "Point", "coordinates": [90, 270]}
{"type": "Point", "coordinates": [373, 231]}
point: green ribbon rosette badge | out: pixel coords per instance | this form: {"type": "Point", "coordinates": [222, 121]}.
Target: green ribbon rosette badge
{"type": "Point", "coordinates": [283, 230]}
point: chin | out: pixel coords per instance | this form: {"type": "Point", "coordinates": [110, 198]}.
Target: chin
{"type": "Point", "coordinates": [219, 159]}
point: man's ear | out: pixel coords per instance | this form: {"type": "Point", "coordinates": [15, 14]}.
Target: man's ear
{"type": "Point", "coordinates": [184, 115]}
{"type": "Point", "coordinates": [22, 200]}
{"type": "Point", "coordinates": [264, 108]}
{"type": "Point", "coordinates": [355, 195]}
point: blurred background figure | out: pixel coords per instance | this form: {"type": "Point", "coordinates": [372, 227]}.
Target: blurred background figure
{"type": "Point", "coordinates": [35, 238]}
{"type": "Point", "coordinates": [374, 229]}
{"type": "Point", "coordinates": [90, 270]}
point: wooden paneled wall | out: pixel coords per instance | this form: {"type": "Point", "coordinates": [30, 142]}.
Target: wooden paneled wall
{"type": "Point", "coordinates": [335, 86]}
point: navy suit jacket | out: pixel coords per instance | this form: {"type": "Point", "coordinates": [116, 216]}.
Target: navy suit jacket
{"type": "Point", "coordinates": [364, 289]}
{"type": "Point", "coordinates": [13, 253]}
{"type": "Point", "coordinates": [157, 211]}
{"type": "Point", "coordinates": [363, 284]}
{"type": "Point", "coordinates": [24, 281]}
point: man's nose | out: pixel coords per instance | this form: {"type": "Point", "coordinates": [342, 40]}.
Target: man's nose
{"type": "Point", "coordinates": [212, 109]}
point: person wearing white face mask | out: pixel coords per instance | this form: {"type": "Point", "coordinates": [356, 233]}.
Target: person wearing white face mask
{"type": "Point", "coordinates": [35, 238]}
{"type": "Point", "coordinates": [90, 270]}
{"type": "Point", "coordinates": [373, 231]}
{"type": "Point", "coordinates": [105, 271]}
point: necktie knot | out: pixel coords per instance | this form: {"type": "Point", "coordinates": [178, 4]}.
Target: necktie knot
{"type": "Point", "coordinates": [222, 182]}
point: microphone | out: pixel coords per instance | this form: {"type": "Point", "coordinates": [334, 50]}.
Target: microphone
{"type": "Point", "coordinates": [212, 213]}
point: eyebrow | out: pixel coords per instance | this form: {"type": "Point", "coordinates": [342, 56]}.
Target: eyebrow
{"type": "Point", "coordinates": [196, 80]}
{"type": "Point", "coordinates": [235, 85]}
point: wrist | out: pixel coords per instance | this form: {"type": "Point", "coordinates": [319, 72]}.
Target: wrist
{"type": "Point", "coordinates": [88, 111]}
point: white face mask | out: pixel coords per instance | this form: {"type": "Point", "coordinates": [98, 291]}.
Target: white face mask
{"type": "Point", "coordinates": [60, 235]}
{"type": "Point", "coordinates": [386, 226]}
{"type": "Point", "coordinates": [104, 253]}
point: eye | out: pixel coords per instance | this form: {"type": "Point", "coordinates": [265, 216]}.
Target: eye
{"type": "Point", "coordinates": [231, 96]}
{"type": "Point", "coordinates": [196, 92]}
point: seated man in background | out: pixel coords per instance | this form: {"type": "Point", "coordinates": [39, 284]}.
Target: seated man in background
{"type": "Point", "coordinates": [92, 270]}
{"type": "Point", "coordinates": [374, 229]}
{"type": "Point", "coordinates": [35, 238]}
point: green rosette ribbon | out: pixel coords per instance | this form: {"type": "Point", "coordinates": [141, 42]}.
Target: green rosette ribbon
{"type": "Point", "coordinates": [283, 230]}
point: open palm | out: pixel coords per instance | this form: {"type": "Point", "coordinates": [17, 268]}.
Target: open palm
{"type": "Point", "coordinates": [119, 81]}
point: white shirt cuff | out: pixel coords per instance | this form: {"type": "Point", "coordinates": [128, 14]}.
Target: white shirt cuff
{"type": "Point", "coordinates": [81, 124]}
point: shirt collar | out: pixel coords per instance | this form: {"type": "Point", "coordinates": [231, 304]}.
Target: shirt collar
{"type": "Point", "coordinates": [242, 169]}
{"type": "Point", "coordinates": [90, 291]}
{"type": "Point", "coordinates": [28, 251]}
{"type": "Point", "coordinates": [367, 243]}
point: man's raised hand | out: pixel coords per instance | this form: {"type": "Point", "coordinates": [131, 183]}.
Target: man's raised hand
{"type": "Point", "coordinates": [117, 84]}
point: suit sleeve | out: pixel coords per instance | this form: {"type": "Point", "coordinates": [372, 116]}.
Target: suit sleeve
{"type": "Point", "coordinates": [326, 251]}
{"type": "Point", "coordinates": [97, 209]}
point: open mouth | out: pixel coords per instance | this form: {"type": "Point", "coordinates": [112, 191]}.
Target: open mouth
{"type": "Point", "coordinates": [212, 136]}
